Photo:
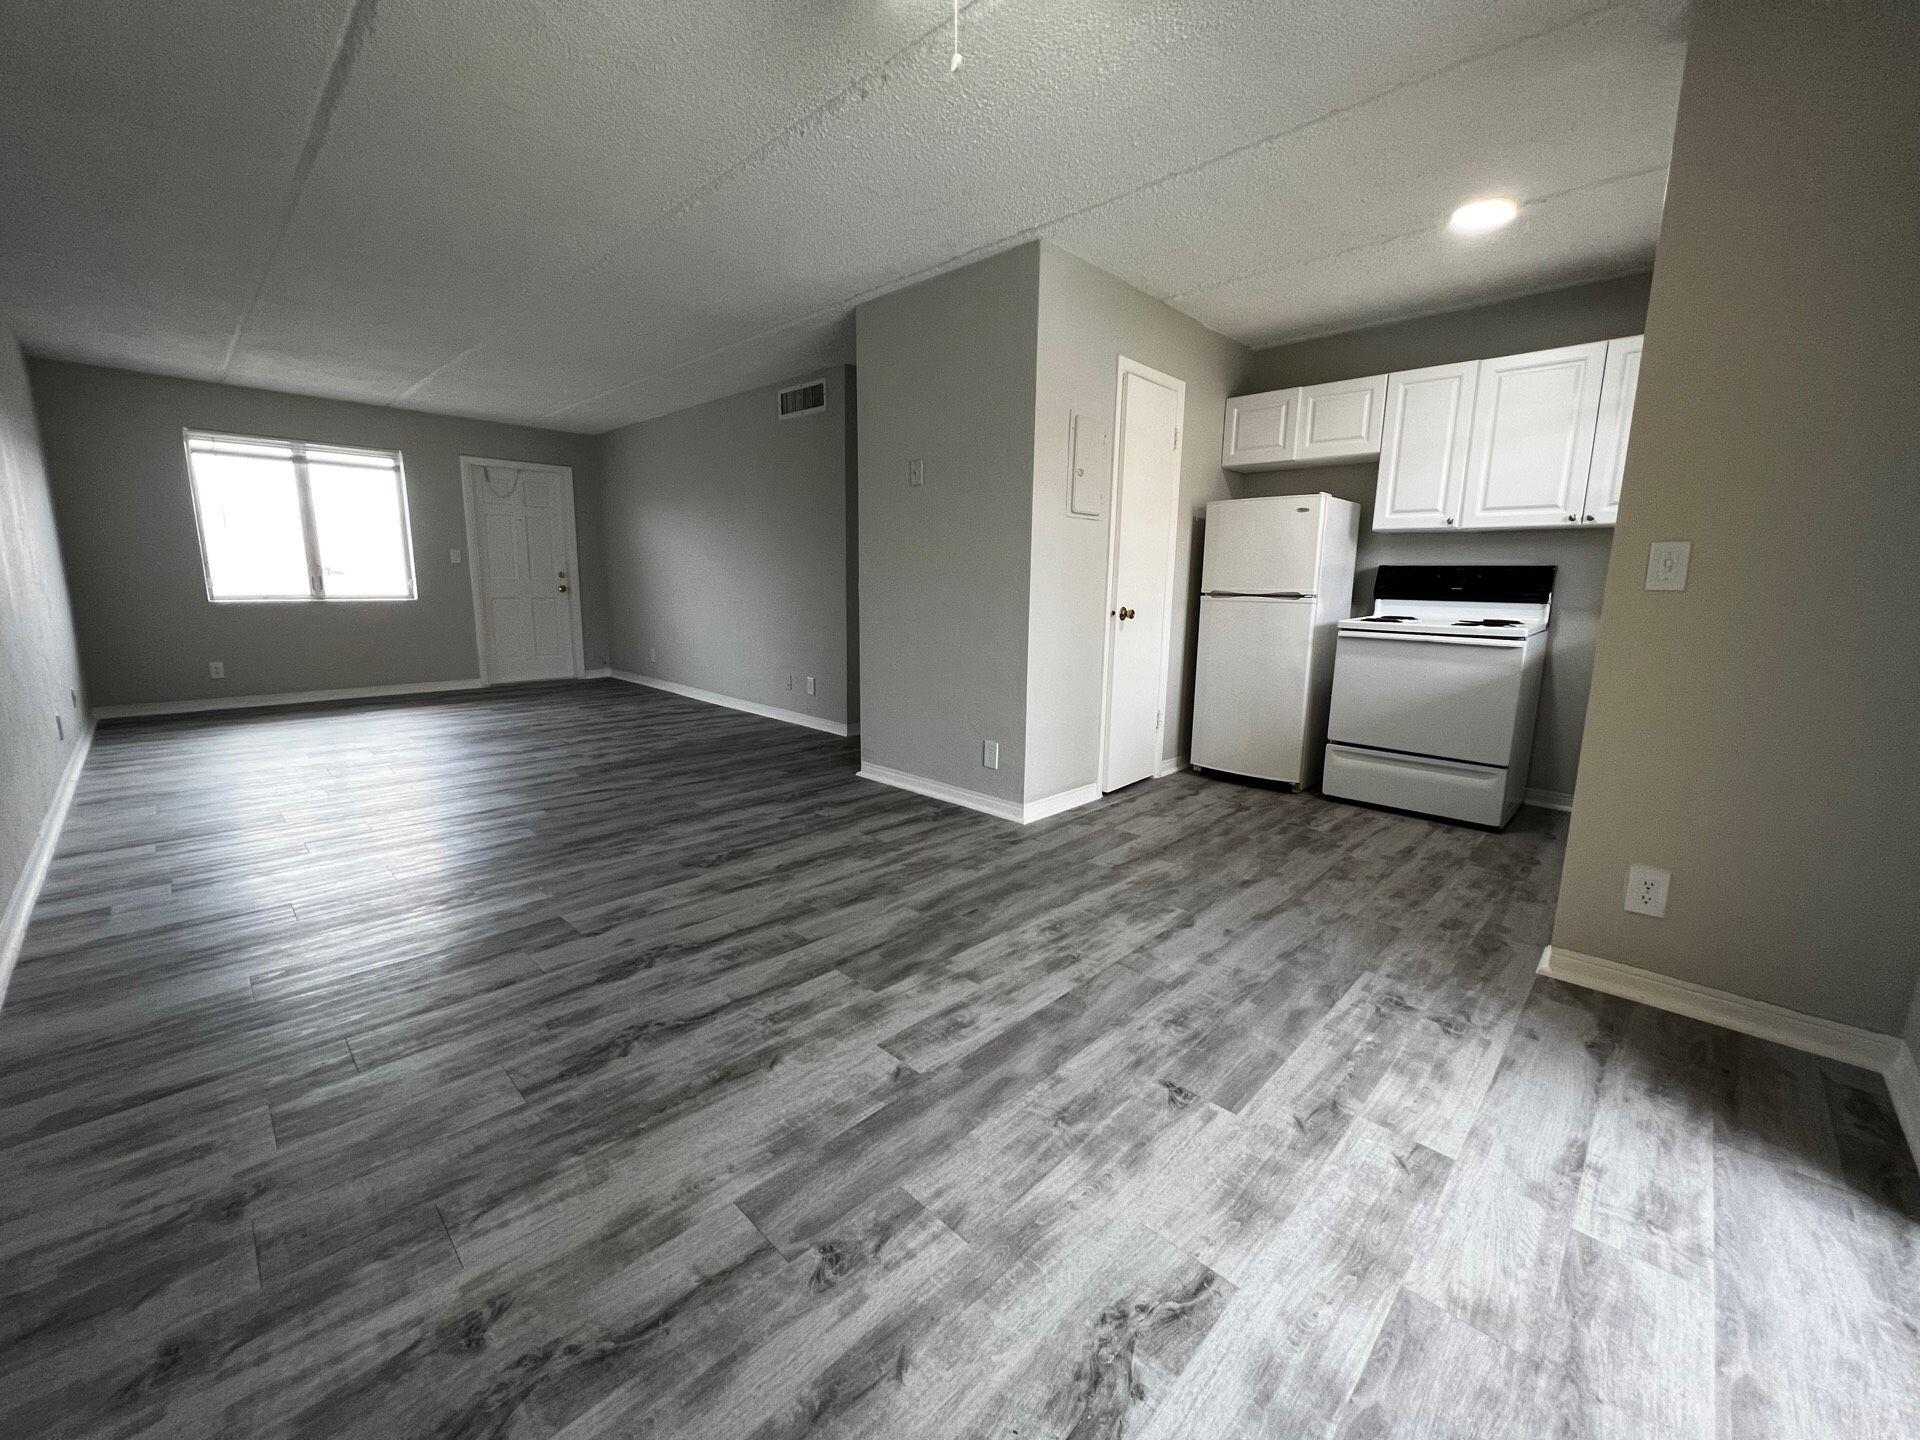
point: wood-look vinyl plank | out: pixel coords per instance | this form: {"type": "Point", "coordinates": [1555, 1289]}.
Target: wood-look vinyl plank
{"type": "Point", "coordinates": [1296, 1338]}
{"type": "Point", "coordinates": [372, 1071]}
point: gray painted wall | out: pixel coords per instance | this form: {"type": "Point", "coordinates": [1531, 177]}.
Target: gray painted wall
{"type": "Point", "coordinates": [726, 541]}
{"type": "Point", "coordinates": [947, 376]}
{"type": "Point", "coordinates": [147, 629]}
{"type": "Point", "coordinates": [1088, 319]}
{"type": "Point", "coordinates": [1571, 316]}
{"type": "Point", "coordinates": [1754, 733]}
{"type": "Point", "coordinates": [39, 659]}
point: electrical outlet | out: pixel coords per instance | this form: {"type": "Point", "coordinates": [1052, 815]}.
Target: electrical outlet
{"type": "Point", "coordinates": [809, 685]}
{"type": "Point", "coordinates": [1647, 890]}
{"type": "Point", "coordinates": [217, 669]}
{"type": "Point", "coordinates": [990, 754]}
{"type": "Point", "coordinates": [454, 556]}
{"type": "Point", "coordinates": [916, 472]}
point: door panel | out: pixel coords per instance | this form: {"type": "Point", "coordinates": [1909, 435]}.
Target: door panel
{"type": "Point", "coordinates": [1617, 393]}
{"type": "Point", "coordinates": [1263, 546]}
{"type": "Point", "coordinates": [1250, 687]}
{"type": "Point", "coordinates": [1423, 447]}
{"type": "Point", "coordinates": [1143, 557]}
{"type": "Point", "coordinates": [1452, 698]}
{"type": "Point", "coordinates": [1532, 446]}
{"type": "Point", "coordinates": [1260, 429]}
{"type": "Point", "coordinates": [1341, 421]}
{"type": "Point", "coordinates": [528, 616]}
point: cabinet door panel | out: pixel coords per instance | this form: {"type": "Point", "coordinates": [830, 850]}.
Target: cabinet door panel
{"type": "Point", "coordinates": [1260, 430]}
{"type": "Point", "coordinates": [1423, 447]}
{"type": "Point", "coordinates": [1617, 392]}
{"type": "Point", "coordinates": [1341, 421]}
{"type": "Point", "coordinates": [1532, 445]}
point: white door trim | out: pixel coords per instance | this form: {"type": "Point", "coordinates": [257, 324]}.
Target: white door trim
{"type": "Point", "coordinates": [470, 465]}
{"type": "Point", "coordinates": [1179, 387]}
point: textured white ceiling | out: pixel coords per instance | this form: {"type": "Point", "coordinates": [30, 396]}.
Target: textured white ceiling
{"type": "Point", "coordinates": [579, 213]}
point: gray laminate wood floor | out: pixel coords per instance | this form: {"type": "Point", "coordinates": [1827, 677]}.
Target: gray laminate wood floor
{"type": "Point", "coordinates": [585, 1062]}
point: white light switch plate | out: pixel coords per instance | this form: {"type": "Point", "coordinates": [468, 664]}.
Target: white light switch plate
{"type": "Point", "coordinates": [916, 472]}
{"type": "Point", "coordinates": [990, 754]}
{"type": "Point", "coordinates": [1667, 564]}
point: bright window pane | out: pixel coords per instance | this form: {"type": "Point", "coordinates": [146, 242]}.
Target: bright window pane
{"type": "Point", "coordinates": [250, 531]}
{"type": "Point", "coordinates": [362, 530]}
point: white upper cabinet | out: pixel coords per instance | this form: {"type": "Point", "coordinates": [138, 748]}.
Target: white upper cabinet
{"type": "Point", "coordinates": [1341, 421]}
{"type": "Point", "coordinates": [1532, 444]}
{"type": "Point", "coordinates": [1261, 430]}
{"type": "Point", "coordinates": [1423, 447]}
{"type": "Point", "coordinates": [1610, 435]}
{"type": "Point", "coordinates": [1317, 425]}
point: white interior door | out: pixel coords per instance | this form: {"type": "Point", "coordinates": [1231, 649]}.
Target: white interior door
{"type": "Point", "coordinates": [524, 581]}
{"type": "Point", "coordinates": [1148, 483]}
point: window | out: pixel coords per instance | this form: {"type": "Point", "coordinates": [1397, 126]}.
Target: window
{"type": "Point", "coordinates": [284, 520]}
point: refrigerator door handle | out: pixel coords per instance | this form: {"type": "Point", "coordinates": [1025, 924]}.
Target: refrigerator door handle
{"type": "Point", "coordinates": [1262, 594]}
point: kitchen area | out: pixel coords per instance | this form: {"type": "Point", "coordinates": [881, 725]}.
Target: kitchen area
{"type": "Point", "coordinates": [1489, 442]}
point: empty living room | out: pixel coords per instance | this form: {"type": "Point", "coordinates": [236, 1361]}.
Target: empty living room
{"type": "Point", "coordinates": [959, 719]}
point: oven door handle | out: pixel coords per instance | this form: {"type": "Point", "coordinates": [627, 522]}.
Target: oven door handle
{"type": "Point", "coordinates": [1514, 644]}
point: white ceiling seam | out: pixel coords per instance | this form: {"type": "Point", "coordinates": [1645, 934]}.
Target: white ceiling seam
{"type": "Point", "coordinates": [603, 212]}
{"type": "Point", "coordinates": [353, 36]}
{"type": "Point", "coordinates": [816, 119]}
{"type": "Point", "coordinates": [1530, 202]}
{"type": "Point", "coordinates": [1045, 228]}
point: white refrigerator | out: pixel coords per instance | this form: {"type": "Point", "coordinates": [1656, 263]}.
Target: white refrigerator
{"type": "Point", "coordinates": [1276, 581]}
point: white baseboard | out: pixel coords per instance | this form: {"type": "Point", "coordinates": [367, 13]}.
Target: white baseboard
{"type": "Point", "coordinates": [751, 707]}
{"type": "Point", "coordinates": [1014, 810]}
{"type": "Point", "coordinates": [938, 790]}
{"type": "Point", "coordinates": [1903, 1086]}
{"type": "Point", "coordinates": [1549, 799]}
{"type": "Point", "coordinates": [1058, 804]}
{"type": "Point", "coordinates": [291, 697]}
{"type": "Point", "coordinates": [1170, 767]}
{"type": "Point", "coordinates": [1868, 1049]}
{"type": "Point", "coordinates": [26, 890]}
{"type": "Point", "coordinates": [603, 672]}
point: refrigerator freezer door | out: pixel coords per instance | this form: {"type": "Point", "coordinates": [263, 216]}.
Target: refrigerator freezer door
{"type": "Point", "coordinates": [1266, 546]}
{"type": "Point", "coordinates": [1250, 701]}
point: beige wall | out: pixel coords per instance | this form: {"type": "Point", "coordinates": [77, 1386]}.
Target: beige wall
{"type": "Point", "coordinates": [147, 629]}
{"type": "Point", "coordinates": [42, 704]}
{"type": "Point", "coordinates": [726, 542]}
{"type": "Point", "coordinates": [1754, 733]}
{"type": "Point", "coordinates": [947, 376]}
{"type": "Point", "coordinates": [1571, 316]}
{"type": "Point", "coordinates": [1087, 321]}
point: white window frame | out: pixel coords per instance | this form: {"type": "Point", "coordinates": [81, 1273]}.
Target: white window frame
{"type": "Point", "coordinates": [309, 532]}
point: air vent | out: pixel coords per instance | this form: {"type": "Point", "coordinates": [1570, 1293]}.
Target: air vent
{"type": "Point", "coordinates": [797, 400]}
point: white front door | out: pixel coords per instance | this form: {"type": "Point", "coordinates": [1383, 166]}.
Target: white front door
{"type": "Point", "coordinates": [1149, 485]}
{"type": "Point", "coordinates": [524, 524]}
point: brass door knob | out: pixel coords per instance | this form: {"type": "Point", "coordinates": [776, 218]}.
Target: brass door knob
{"type": "Point", "coordinates": [1125, 614]}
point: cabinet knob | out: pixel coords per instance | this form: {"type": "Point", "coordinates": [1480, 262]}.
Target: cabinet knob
{"type": "Point", "coordinates": [1589, 519]}
{"type": "Point", "coordinates": [1449, 519]}
{"type": "Point", "coordinates": [1574, 518]}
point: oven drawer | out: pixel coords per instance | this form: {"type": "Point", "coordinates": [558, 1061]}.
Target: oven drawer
{"type": "Point", "coordinates": [1474, 793]}
{"type": "Point", "coordinates": [1456, 698]}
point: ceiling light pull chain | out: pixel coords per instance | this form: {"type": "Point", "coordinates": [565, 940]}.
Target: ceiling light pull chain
{"type": "Point", "coordinates": [954, 64]}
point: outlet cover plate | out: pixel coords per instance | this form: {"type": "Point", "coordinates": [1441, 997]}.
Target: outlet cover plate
{"type": "Point", "coordinates": [1647, 890]}
{"type": "Point", "coordinates": [990, 754]}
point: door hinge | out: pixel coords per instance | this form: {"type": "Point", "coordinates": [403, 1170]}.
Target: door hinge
{"type": "Point", "coordinates": [1176, 437]}
{"type": "Point", "coordinates": [1157, 716]}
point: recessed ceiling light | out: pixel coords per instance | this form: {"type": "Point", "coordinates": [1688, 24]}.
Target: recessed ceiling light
{"type": "Point", "coordinates": [1477, 216]}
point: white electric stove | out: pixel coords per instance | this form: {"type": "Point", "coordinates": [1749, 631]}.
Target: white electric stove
{"type": "Point", "coordinates": [1435, 693]}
